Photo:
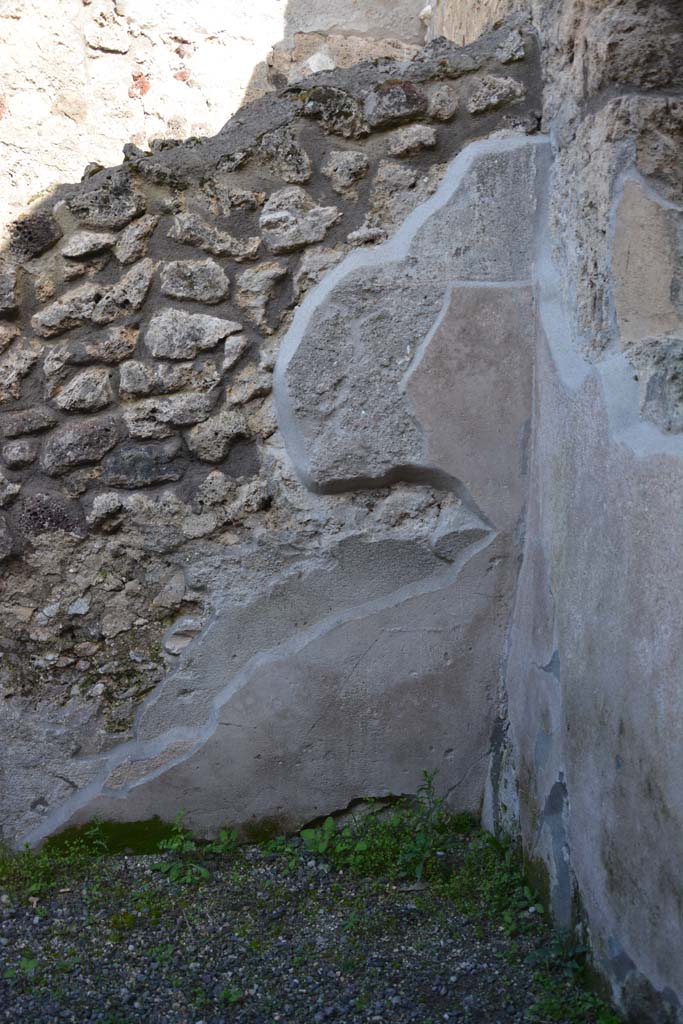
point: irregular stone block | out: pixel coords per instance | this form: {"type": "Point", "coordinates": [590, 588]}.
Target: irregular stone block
{"type": "Point", "coordinates": [314, 264]}
{"type": "Point", "coordinates": [491, 92]}
{"type": "Point", "coordinates": [175, 334]}
{"type": "Point", "coordinates": [18, 454]}
{"type": "Point", "coordinates": [132, 242]}
{"type": "Point", "coordinates": [233, 351]}
{"type": "Point", "coordinates": [8, 489]}
{"type": "Point", "coordinates": [199, 280]}
{"type": "Point", "coordinates": [6, 539]}
{"type": "Point", "coordinates": [133, 466]}
{"type": "Point", "coordinates": [211, 440]}
{"type": "Point", "coordinates": [283, 155]}
{"type": "Point", "coordinates": [33, 235]}
{"type": "Point", "coordinates": [106, 514]}
{"type": "Point", "coordinates": [136, 378]}
{"type": "Point", "coordinates": [443, 102]}
{"type": "Point", "coordinates": [251, 382]}
{"type": "Point", "coordinates": [8, 334]}
{"type": "Point", "coordinates": [392, 103]}
{"type": "Point", "coordinates": [72, 310]}
{"type": "Point", "coordinates": [172, 593]}
{"type": "Point", "coordinates": [16, 364]}
{"type": "Point", "coordinates": [442, 58]}
{"type": "Point", "coordinates": [512, 48]}
{"type": "Point", "coordinates": [345, 168]}
{"type": "Point", "coordinates": [192, 230]}
{"type": "Point", "coordinates": [115, 345]}
{"type": "Point", "coordinates": [255, 288]}
{"type": "Point", "coordinates": [88, 243]}
{"type": "Point", "coordinates": [28, 421]}
{"type": "Point", "coordinates": [338, 111]}
{"type": "Point", "coordinates": [410, 140]}
{"type": "Point", "coordinates": [126, 295]}
{"type": "Point", "coordinates": [8, 290]}
{"type": "Point", "coordinates": [291, 220]}
{"type": "Point", "coordinates": [77, 444]}
{"type": "Point", "coordinates": [108, 200]}
{"type": "Point", "coordinates": [366, 234]}
{"type": "Point", "coordinates": [238, 198]}
{"type": "Point", "coordinates": [659, 362]}
{"type": "Point", "coordinates": [43, 513]}
{"type": "Point", "coordinates": [88, 391]}
{"type": "Point", "coordinates": [155, 417]}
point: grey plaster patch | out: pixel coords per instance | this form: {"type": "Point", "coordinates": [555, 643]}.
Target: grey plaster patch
{"type": "Point", "coordinates": [354, 337]}
{"type": "Point", "coordinates": [292, 617]}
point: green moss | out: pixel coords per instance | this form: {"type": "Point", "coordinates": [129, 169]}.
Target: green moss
{"type": "Point", "coordinates": [119, 836]}
{"type": "Point", "coordinates": [262, 830]}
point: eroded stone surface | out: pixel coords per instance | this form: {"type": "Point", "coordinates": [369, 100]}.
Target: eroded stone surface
{"type": "Point", "coordinates": [88, 391]}
{"type": "Point", "coordinates": [88, 243]}
{"type": "Point", "coordinates": [78, 444]}
{"type": "Point", "coordinates": [211, 440]}
{"type": "Point", "coordinates": [155, 417]}
{"type": "Point", "coordinates": [198, 280]}
{"type": "Point", "coordinates": [291, 220]}
{"type": "Point", "coordinates": [492, 92]}
{"type": "Point", "coordinates": [255, 289]}
{"type": "Point", "coordinates": [109, 200]}
{"type": "Point", "coordinates": [392, 103]}
{"type": "Point", "coordinates": [175, 334]}
{"type": "Point", "coordinates": [192, 230]}
{"type": "Point", "coordinates": [408, 141]}
{"type": "Point", "coordinates": [131, 244]}
{"type": "Point", "coordinates": [345, 168]}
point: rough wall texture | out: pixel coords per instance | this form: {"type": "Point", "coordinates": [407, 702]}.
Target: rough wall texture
{"type": "Point", "coordinates": [465, 20]}
{"type": "Point", "coordinates": [448, 539]}
{"type": "Point", "coordinates": [191, 617]}
{"type": "Point", "coordinates": [80, 78]}
{"type": "Point", "coordinates": [594, 674]}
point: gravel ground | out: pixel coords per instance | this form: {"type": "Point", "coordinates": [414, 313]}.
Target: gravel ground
{"type": "Point", "coordinates": [265, 938]}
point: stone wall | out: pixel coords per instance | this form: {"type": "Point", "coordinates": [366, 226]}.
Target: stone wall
{"type": "Point", "coordinates": [254, 609]}
{"type": "Point", "coordinates": [594, 678]}
{"type": "Point", "coordinates": [80, 78]}
{"type": "Point", "coordinates": [347, 443]}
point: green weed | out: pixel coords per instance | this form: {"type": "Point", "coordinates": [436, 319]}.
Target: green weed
{"type": "Point", "coordinates": [182, 869]}
{"type": "Point", "coordinates": [410, 843]}
{"type": "Point", "coordinates": [30, 874]}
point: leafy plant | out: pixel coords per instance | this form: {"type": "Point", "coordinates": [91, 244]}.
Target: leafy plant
{"type": "Point", "coordinates": [282, 847]}
{"type": "Point", "coordinates": [407, 844]}
{"type": "Point", "coordinates": [182, 869]}
{"type": "Point", "coordinates": [123, 921]}
{"type": "Point", "coordinates": [560, 999]}
{"type": "Point", "coordinates": [231, 996]}
{"type": "Point", "coordinates": [225, 844]}
{"type": "Point", "coordinates": [27, 967]}
{"type": "Point", "coordinates": [29, 874]}
{"type": "Point", "coordinates": [318, 840]}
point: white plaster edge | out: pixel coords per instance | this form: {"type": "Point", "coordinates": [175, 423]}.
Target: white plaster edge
{"type": "Point", "coordinates": [613, 372]}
